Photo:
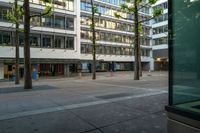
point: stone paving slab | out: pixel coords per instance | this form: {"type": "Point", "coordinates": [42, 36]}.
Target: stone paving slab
{"type": "Point", "coordinates": [153, 123]}
{"type": "Point", "coordinates": [107, 114]}
{"type": "Point", "coordinates": [21, 89]}
{"type": "Point", "coordinates": [56, 122]}
{"type": "Point", "coordinates": [75, 108]}
{"type": "Point", "coordinates": [103, 118]}
{"type": "Point", "coordinates": [93, 131]}
{"type": "Point", "coordinates": [150, 104]}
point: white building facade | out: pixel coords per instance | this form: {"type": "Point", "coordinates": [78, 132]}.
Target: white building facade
{"type": "Point", "coordinates": [160, 37]}
{"type": "Point", "coordinates": [61, 46]}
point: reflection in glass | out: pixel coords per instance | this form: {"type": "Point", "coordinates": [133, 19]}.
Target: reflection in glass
{"type": "Point", "coordinates": [186, 55]}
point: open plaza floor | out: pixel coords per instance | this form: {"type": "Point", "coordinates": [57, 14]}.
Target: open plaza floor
{"type": "Point", "coordinates": [114, 103]}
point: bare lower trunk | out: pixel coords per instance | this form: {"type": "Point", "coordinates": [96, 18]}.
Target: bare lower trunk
{"type": "Point", "coordinates": [139, 59]}
{"type": "Point", "coordinates": [136, 48]}
{"type": "Point", "coordinates": [94, 43]}
{"type": "Point", "coordinates": [17, 45]}
{"type": "Point", "coordinates": [27, 64]}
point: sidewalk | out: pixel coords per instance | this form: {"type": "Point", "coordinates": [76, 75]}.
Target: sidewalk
{"type": "Point", "coordinates": [107, 105]}
{"type": "Point", "coordinates": [128, 116]}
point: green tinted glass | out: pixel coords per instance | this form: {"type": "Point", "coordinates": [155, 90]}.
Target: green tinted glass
{"type": "Point", "coordinates": [186, 54]}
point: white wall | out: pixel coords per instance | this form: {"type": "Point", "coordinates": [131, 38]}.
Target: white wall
{"type": "Point", "coordinates": [9, 52]}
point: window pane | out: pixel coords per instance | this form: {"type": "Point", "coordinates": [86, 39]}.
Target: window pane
{"type": "Point", "coordinates": [70, 43]}
{"type": "Point", "coordinates": [47, 41]}
{"type": "Point", "coordinates": [59, 22]}
{"type": "Point", "coordinates": [59, 42]}
{"type": "Point", "coordinates": [69, 23]}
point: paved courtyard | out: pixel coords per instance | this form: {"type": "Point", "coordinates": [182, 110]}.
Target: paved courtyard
{"type": "Point", "coordinates": [111, 104]}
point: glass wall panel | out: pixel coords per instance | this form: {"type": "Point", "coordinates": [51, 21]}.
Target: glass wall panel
{"type": "Point", "coordinates": [5, 38]}
{"type": "Point", "coordinates": [59, 42]}
{"type": "Point", "coordinates": [69, 23]}
{"type": "Point", "coordinates": [47, 41]}
{"type": "Point", "coordinates": [35, 40]}
{"type": "Point", "coordinates": [70, 43]}
{"type": "Point", "coordinates": [185, 50]}
{"type": "Point", "coordinates": [47, 21]}
{"type": "Point", "coordinates": [59, 22]}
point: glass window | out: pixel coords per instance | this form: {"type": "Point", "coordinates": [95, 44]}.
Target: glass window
{"type": "Point", "coordinates": [59, 42]}
{"type": "Point", "coordinates": [108, 48]}
{"type": "Point", "coordinates": [47, 41]}
{"type": "Point", "coordinates": [1, 14]}
{"type": "Point", "coordinates": [21, 39]}
{"type": "Point", "coordinates": [59, 22]}
{"type": "Point", "coordinates": [83, 6]}
{"type": "Point", "coordinates": [69, 23]}
{"type": "Point", "coordinates": [83, 48]}
{"type": "Point", "coordinates": [70, 43]}
{"type": "Point", "coordinates": [71, 5]}
{"type": "Point", "coordinates": [59, 3]}
{"type": "Point", "coordinates": [35, 21]}
{"type": "Point", "coordinates": [4, 15]}
{"type": "Point", "coordinates": [47, 21]}
{"type": "Point", "coordinates": [5, 38]}
{"type": "Point", "coordinates": [113, 49]}
{"type": "Point", "coordinates": [35, 40]}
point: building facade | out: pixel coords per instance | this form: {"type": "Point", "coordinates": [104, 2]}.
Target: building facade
{"type": "Point", "coordinates": [61, 45]}
{"type": "Point", "coordinates": [160, 37]}
{"type": "Point", "coordinates": [54, 39]}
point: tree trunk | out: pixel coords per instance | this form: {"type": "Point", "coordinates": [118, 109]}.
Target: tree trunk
{"type": "Point", "coordinates": [17, 44]}
{"type": "Point", "coordinates": [27, 64]}
{"type": "Point", "coordinates": [136, 47]}
{"type": "Point", "coordinates": [94, 43]}
{"type": "Point", "coordinates": [139, 58]}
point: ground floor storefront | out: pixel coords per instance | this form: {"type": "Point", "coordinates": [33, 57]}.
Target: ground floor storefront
{"type": "Point", "coordinates": [66, 68]}
{"type": "Point", "coordinates": [161, 64]}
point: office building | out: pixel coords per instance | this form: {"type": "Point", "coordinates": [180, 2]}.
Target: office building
{"type": "Point", "coordinates": [61, 43]}
{"type": "Point", "coordinates": [160, 37]}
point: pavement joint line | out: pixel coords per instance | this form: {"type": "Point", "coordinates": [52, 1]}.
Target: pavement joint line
{"type": "Point", "coordinates": [91, 124]}
{"type": "Point", "coordinates": [73, 106]}
{"type": "Point", "coordinates": [123, 86]}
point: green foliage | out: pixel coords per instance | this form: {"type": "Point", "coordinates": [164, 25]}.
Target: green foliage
{"type": "Point", "coordinates": [139, 1]}
{"type": "Point", "coordinates": [48, 11]}
{"type": "Point", "coordinates": [152, 2]}
{"type": "Point", "coordinates": [20, 10]}
{"type": "Point", "coordinates": [92, 26]}
{"type": "Point", "coordinates": [131, 9]}
{"type": "Point", "coordinates": [140, 27]}
{"type": "Point", "coordinates": [124, 7]}
{"type": "Point", "coordinates": [95, 9]}
{"type": "Point", "coordinates": [157, 12]}
{"type": "Point", "coordinates": [117, 15]}
{"type": "Point", "coordinates": [11, 17]}
{"type": "Point", "coordinates": [46, 1]}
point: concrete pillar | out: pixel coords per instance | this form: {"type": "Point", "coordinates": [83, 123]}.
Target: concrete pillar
{"type": "Point", "coordinates": [66, 70]}
{"type": "Point", "coordinates": [1, 71]}
{"type": "Point", "coordinates": [151, 64]}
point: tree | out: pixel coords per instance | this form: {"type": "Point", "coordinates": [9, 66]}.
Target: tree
{"type": "Point", "coordinates": [94, 10]}
{"type": "Point", "coordinates": [133, 8]}
{"type": "Point", "coordinates": [27, 18]}
{"type": "Point", "coordinates": [14, 16]}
